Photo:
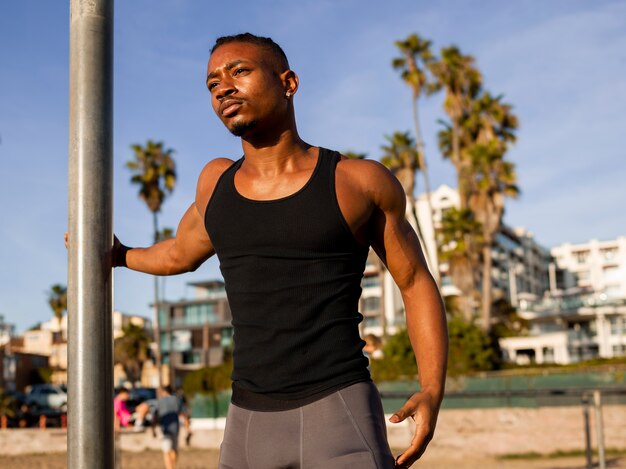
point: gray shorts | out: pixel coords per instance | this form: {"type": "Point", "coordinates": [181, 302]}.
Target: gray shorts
{"type": "Point", "coordinates": [343, 430]}
{"type": "Point", "coordinates": [169, 443]}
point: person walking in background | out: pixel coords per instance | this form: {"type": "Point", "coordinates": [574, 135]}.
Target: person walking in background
{"type": "Point", "coordinates": [169, 410]}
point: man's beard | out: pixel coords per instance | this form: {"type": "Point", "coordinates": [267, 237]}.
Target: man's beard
{"type": "Point", "coordinates": [241, 127]}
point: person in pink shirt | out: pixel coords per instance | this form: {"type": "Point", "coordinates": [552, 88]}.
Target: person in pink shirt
{"type": "Point", "coordinates": [122, 414]}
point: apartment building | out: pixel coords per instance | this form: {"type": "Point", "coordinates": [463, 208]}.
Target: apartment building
{"type": "Point", "coordinates": [599, 265]}
{"type": "Point", "coordinates": [194, 333]}
{"type": "Point", "coordinates": [569, 327]}
{"type": "Point", "coordinates": [50, 339]}
{"type": "Point", "coordinates": [520, 264]}
{"type": "Point", "coordinates": [583, 316]}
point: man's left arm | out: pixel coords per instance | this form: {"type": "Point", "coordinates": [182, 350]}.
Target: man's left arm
{"type": "Point", "coordinates": [396, 243]}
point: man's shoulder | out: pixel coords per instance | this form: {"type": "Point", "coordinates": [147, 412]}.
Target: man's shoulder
{"type": "Point", "coordinates": [215, 168]}
{"type": "Point", "coordinates": [368, 176]}
{"type": "Point", "coordinates": [209, 176]}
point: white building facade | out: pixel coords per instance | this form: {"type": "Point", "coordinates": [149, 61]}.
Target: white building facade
{"type": "Point", "coordinates": [598, 265]}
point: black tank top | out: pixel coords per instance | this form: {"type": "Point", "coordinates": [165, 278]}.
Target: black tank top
{"type": "Point", "coordinates": [293, 270]}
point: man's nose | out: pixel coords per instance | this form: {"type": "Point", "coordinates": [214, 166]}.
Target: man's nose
{"type": "Point", "coordinates": [225, 89]}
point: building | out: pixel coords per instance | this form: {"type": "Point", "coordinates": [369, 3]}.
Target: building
{"type": "Point", "coordinates": [380, 303]}
{"type": "Point", "coordinates": [521, 267]}
{"type": "Point", "coordinates": [583, 316]}
{"type": "Point", "coordinates": [19, 369]}
{"type": "Point", "coordinates": [569, 327]}
{"type": "Point", "coordinates": [49, 339]}
{"type": "Point", "coordinates": [195, 333]}
{"type": "Point", "coordinates": [598, 265]}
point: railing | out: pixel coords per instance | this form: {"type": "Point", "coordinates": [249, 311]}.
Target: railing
{"type": "Point", "coordinates": [557, 305]}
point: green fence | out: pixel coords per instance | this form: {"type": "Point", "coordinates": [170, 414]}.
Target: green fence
{"type": "Point", "coordinates": [546, 389]}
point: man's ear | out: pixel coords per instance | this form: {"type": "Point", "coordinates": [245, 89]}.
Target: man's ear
{"type": "Point", "coordinates": [290, 82]}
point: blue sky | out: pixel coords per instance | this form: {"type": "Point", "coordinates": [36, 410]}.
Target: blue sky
{"type": "Point", "coordinates": [561, 63]}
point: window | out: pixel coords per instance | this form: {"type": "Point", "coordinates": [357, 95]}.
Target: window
{"type": "Point", "coordinates": [608, 254]}
{"type": "Point", "coordinates": [581, 256]}
{"type": "Point", "coordinates": [371, 281]}
{"type": "Point", "coordinates": [618, 325]}
{"type": "Point", "coordinates": [613, 291]}
{"type": "Point", "coordinates": [373, 321]}
{"type": "Point", "coordinates": [165, 342]}
{"type": "Point", "coordinates": [611, 274]}
{"type": "Point", "coordinates": [196, 314]}
{"type": "Point", "coordinates": [619, 350]}
{"type": "Point", "coordinates": [371, 304]}
{"type": "Point", "coordinates": [582, 276]}
{"type": "Point", "coordinates": [190, 358]}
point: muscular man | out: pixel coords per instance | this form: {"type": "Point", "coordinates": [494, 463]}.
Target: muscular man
{"type": "Point", "coordinates": [291, 225]}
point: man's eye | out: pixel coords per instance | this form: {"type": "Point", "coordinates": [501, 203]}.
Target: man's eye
{"type": "Point", "coordinates": [212, 85]}
{"type": "Point", "coordinates": [239, 70]}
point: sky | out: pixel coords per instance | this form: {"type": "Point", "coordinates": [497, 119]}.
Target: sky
{"type": "Point", "coordinates": [560, 63]}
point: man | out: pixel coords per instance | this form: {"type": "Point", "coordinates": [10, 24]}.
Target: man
{"type": "Point", "coordinates": [167, 413]}
{"type": "Point", "coordinates": [291, 224]}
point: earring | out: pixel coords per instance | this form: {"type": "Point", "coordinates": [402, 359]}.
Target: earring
{"type": "Point", "coordinates": [288, 94]}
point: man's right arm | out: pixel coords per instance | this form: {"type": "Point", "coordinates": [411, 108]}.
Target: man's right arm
{"type": "Point", "coordinates": [191, 246]}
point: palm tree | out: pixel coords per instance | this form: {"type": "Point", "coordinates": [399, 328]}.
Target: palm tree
{"type": "Point", "coordinates": [461, 81]}
{"type": "Point", "coordinates": [493, 179]}
{"type": "Point", "coordinates": [154, 171]}
{"type": "Point", "coordinates": [401, 157]}
{"type": "Point", "coordinates": [352, 155]}
{"type": "Point", "coordinates": [492, 125]}
{"type": "Point", "coordinates": [57, 299]}
{"type": "Point", "coordinates": [460, 240]}
{"type": "Point", "coordinates": [414, 69]}
{"type": "Point", "coordinates": [131, 350]}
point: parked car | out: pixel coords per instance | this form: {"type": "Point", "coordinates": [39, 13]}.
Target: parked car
{"type": "Point", "coordinates": [47, 396]}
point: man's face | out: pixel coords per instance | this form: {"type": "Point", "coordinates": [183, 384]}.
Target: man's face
{"type": "Point", "coordinates": [245, 85]}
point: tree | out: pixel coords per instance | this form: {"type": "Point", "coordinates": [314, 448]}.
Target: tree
{"type": "Point", "coordinates": [57, 299]}
{"type": "Point", "coordinates": [508, 323]}
{"type": "Point", "coordinates": [470, 348]}
{"type": "Point", "coordinates": [352, 155]}
{"type": "Point", "coordinates": [401, 157]}
{"type": "Point", "coordinates": [7, 408]}
{"type": "Point", "coordinates": [398, 360]}
{"type": "Point", "coordinates": [460, 241]}
{"type": "Point", "coordinates": [461, 81]}
{"type": "Point", "coordinates": [131, 351]}
{"type": "Point", "coordinates": [154, 171]}
{"type": "Point", "coordinates": [492, 179]}
{"type": "Point", "coordinates": [414, 70]}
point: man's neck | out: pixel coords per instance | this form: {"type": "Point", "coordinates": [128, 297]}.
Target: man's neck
{"type": "Point", "coordinates": [275, 155]}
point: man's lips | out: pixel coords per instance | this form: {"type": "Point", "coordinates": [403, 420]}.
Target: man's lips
{"type": "Point", "coordinates": [229, 107]}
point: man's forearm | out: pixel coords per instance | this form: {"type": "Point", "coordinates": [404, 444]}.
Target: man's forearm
{"type": "Point", "coordinates": [426, 323]}
{"type": "Point", "coordinates": [159, 259]}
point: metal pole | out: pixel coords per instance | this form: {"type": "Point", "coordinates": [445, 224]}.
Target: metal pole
{"type": "Point", "coordinates": [597, 407]}
{"type": "Point", "coordinates": [588, 454]}
{"type": "Point", "coordinates": [90, 440]}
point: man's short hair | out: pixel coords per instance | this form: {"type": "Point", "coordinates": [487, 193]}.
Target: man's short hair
{"type": "Point", "coordinates": [167, 388]}
{"type": "Point", "coordinates": [265, 42]}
